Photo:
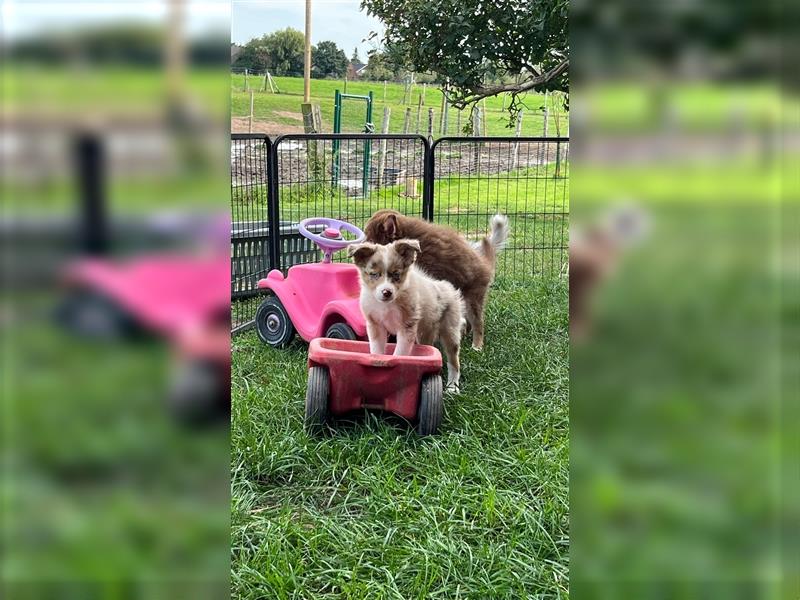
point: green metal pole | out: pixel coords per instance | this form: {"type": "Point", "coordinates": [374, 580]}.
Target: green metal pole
{"type": "Point", "coordinates": [367, 149]}
{"type": "Point", "coordinates": [337, 115]}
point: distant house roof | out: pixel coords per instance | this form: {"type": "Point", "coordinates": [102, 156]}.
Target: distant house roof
{"type": "Point", "coordinates": [358, 66]}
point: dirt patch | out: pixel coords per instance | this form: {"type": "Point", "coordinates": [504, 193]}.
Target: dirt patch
{"type": "Point", "coordinates": [289, 115]}
{"type": "Point", "coordinates": [242, 124]}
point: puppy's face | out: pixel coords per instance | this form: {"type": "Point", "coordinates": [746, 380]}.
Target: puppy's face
{"type": "Point", "coordinates": [384, 269]}
{"type": "Point", "coordinates": [383, 227]}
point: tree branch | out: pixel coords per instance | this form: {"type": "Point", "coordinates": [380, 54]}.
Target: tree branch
{"type": "Point", "coordinates": [479, 93]}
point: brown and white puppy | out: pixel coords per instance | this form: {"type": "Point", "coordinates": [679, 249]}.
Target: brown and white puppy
{"type": "Point", "coordinates": [447, 255]}
{"type": "Point", "coordinates": [398, 298]}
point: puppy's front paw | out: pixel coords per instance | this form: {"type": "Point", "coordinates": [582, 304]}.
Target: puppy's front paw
{"type": "Point", "coordinates": [452, 388]}
{"type": "Point", "coordinates": [477, 347]}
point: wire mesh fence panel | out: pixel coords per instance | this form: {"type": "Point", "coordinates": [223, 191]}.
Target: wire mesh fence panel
{"type": "Point", "coordinates": [346, 177]}
{"type": "Point", "coordinates": [249, 224]}
{"type": "Point", "coordinates": [526, 179]}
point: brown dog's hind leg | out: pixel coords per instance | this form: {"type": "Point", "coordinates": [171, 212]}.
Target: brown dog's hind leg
{"type": "Point", "coordinates": [475, 305]}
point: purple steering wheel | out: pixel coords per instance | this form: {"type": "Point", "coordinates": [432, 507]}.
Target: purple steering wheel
{"type": "Point", "coordinates": [331, 239]}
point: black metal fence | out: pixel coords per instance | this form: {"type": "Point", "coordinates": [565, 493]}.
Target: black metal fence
{"type": "Point", "coordinates": [461, 182]}
{"type": "Point", "coordinates": [249, 223]}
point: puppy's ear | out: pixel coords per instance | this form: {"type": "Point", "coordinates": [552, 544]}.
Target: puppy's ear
{"type": "Point", "coordinates": [408, 250]}
{"type": "Point", "coordinates": [390, 226]}
{"type": "Point", "coordinates": [361, 253]}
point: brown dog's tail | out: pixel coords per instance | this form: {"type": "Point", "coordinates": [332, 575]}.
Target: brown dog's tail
{"type": "Point", "coordinates": [495, 241]}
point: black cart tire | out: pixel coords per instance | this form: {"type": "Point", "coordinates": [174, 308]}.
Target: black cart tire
{"type": "Point", "coordinates": [197, 392]}
{"type": "Point", "coordinates": [91, 315]}
{"type": "Point", "coordinates": [273, 325]}
{"type": "Point", "coordinates": [429, 413]}
{"type": "Point", "coordinates": [341, 331]}
{"type": "Point", "coordinates": [317, 394]}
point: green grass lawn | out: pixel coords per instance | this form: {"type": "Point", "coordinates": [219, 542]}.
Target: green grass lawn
{"type": "Point", "coordinates": [101, 484]}
{"type": "Point", "coordinates": [280, 108]}
{"type": "Point", "coordinates": [372, 511]}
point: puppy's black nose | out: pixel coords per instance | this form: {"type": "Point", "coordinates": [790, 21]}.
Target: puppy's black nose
{"type": "Point", "coordinates": [386, 294]}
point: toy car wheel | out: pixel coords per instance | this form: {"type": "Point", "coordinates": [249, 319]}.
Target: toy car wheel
{"type": "Point", "coordinates": [273, 325]}
{"type": "Point", "coordinates": [341, 331]}
{"type": "Point", "coordinates": [197, 392]}
{"type": "Point", "coordinates": [429, 413]}
{"type": "Point", "coordinates": [91, 315]}
{"type": "Point", "coordinates": [317, 392]}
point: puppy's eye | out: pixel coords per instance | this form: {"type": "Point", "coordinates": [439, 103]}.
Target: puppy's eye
{"type": "Point", "coordinates": [374, 275]}
{"type": "Point", "coordinates": [394, 276]}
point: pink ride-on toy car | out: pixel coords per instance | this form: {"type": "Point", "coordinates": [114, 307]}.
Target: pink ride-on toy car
{"type": "Point", "coordinates": [314, 300]}
{"type": "Point", "coordinates": [343, 376]}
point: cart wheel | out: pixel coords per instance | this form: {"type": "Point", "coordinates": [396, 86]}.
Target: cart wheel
{"type": "Point", "coordinates": [340, 331]}
{"type": "Point", "coordinates": [317, 392]}
{"type": "Point", "coordinates": [92, 315]}
{"type": "Point", "coordinates": [196, 394]}
{"type": "Point", "coordinates": [273, 324]}
{"type": "Point", "coordinates": [429, 414]}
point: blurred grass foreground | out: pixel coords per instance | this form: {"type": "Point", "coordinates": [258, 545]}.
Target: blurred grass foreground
{"type": "Point", "coordinates": [683, 413]}
{"type": "Point", "coordinates": [103, 489]}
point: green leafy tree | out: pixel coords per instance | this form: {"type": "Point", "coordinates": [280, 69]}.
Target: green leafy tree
{"type": "Point", "coordinates": [379, 68]}
{"type": "Point", "coordinates": [280, 52]}
{"type": "Point", "coordinates": [327, 59]}
{"type": "Point", "coordinates": [481, 48]}
{"type": "Point", "coordinates": [285, 51]}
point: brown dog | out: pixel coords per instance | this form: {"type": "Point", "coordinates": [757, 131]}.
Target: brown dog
{"type": "Point", "coordinates": [446, 255]}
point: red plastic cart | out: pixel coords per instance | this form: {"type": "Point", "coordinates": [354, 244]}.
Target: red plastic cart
{"type": "Point", "coordinates": [343, 376]}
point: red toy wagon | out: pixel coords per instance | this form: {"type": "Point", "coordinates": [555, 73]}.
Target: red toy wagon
{"type": "Point", "coordinates": [343, 376]}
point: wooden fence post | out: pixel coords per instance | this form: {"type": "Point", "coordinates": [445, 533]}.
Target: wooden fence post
{"type": "Point", "coordinates": [443, 116]}
{"type": "Point", "coordinates": [476, 132]}
{"type": "Point", "coordinates": [250, 126]}
{"type": "Point", "coordinates": [430, 124]}
{"type": "Point", "coordinates": [517, 133]}
{"type": "Point", "coordinates": [384, 91]}
{"type": "Point", "coordinates": [245, 80]}
{"type": "Point", "coordinates": [407, 120]}
{"type": "Point", "coordinates": [546, 114]}
{"type": "Point", "coordinates": [419, 111]}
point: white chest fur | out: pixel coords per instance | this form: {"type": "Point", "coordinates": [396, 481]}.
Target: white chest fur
{"type": "Point", "coordinates": [385, 313]}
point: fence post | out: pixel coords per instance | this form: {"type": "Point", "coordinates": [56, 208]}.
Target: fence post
{"type": "Point", "coordinates": [407, 120]}
{"type": "Point", "coordinates": [458, 123]}
{"type": "Point", "coordinates": [264, 86]}
{"type": "Point", "coordinates": [382, 157]}
{"type": "Point", "coordinates": [515, 151]}
{"type": "Point", "coordinates": [337, 109]}
{"type": "Point", "coordinates": [367, 150]}
{"type": "Point", "coordinates": [443, 116]}
{"type": "Point", "coordinates": [427, 184]}
{"type": "Point", "coordinates": [384, 91]}
{"type": "Point", "coordinates": [250, 126]}
{"type": "Point", "coordinates": [476, 132]}
{"type": "Point", "coordinates": [345, 83]}
{"type": "Point", "coordinates": [484, 118]}
{"type": "Point", "coordinates": [90, 166]}
{"type": "Point", "coordinates": [546, 115]}
{"type": "Point", "coordinates": [430, 124]}
{"type": "Point", "coordinates": [273, 211]}
{"type": "Point", "coordinates": [419, 112]}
